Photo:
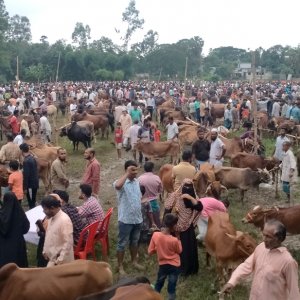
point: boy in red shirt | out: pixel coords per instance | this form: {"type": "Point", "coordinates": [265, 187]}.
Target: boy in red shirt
{"type": "Point", "coordinates": [15, 179]}
{"type": "Point", "coordinates": [156, 135]}
{"type": "Point", "coordinates": [168, 249]}
{"type": "Point", "coordinates": [118, 139]}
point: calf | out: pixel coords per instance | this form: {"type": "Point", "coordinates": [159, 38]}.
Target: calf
{"type": "Point", "coordinates": [159, 149]}
{"type": "Point", "coordinates": [241, 178]}
{"type": "Point", "coordinates": [228, 246]}
{"type": "Point", "coordinates": [67, 282]}
{"type": "Point", "coordinates": [77, 134]}
{"type": "Point", "coordinates": [288, 216]}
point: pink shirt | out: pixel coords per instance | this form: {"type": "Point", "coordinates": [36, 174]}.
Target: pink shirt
{"type": "Point", "coordinates": [152, 184]}
{"type": "Point", "coordinates": [91, 175]}
{"type": "Point", "coordinates": [275, 274]}
{"type": "Point", "coordinates": [211, 205]}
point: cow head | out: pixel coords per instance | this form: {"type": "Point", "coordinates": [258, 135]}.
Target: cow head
{"type": "Point", "coordinates": [215, 189]}
{"type": "Point", "coordinates": [245, 244]}
{"type": "Point", "coordinates": [264, 176]}
{"type": "Point", "coordinates": [63, 131]}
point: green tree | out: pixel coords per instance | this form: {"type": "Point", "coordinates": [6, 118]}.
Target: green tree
{"type": "Point", "coordinates": [19, 29]}
{"type": "Point", "coordinates": [81, 35]}
{"type": "Point", "coordinates": [131, 17]}
{"type": "Point", "coordinates": [104, 44]}
{"type": "Point", "coordinates": [4, 17]}
{"type": "Point", "coordinates": [148, 44]}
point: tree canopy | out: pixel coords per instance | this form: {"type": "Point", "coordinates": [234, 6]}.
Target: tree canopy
{"type": "Point", "coordinates": [102, 59]}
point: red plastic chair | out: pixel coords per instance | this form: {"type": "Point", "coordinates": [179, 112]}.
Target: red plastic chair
{"type": "Point", "coordinates": [102, 234]}
{"type": "Point", "coordinates": [86, 243]}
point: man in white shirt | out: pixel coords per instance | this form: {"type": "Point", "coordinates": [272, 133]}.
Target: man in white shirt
{"type": "Point", "coordinates": [19, 139]}
{"type": "Point", "coordinates": [172, 130]}
{"type": "Point", "coordinates": [217, 149]}
{"type": "Point", "coordinates": [133, 135]}
{"type": "Point", "coordinates": [53, 95]}
{"type": "Point", "coordinates": [58, 247]}
{"type": "Point", "coordinates": [278, 153]}
{"type": "Point", "coordinates": [45, 128]}
{"type": "Point", "coordinates": [275, 109]}
{"type": "Point", "coordinates": [11, 108]}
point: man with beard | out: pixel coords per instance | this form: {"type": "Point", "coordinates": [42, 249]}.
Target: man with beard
{"type": "Point", "coordinates": [217, 149]}
{"type": "Point", "coordinates": [91, 174]}
{"type": "Point", "coordinates": [200, 149]}
{"type": "Point", "coordinates": [59, 179]}
{"type": "Point", "coordinates": [275, 272]}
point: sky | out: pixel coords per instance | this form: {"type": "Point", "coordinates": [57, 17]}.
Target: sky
{"type": "Point", "coordinates": [238, 23]}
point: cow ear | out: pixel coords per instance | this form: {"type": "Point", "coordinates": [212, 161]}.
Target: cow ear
{"type": "Point", "coordinates": [233, 237]}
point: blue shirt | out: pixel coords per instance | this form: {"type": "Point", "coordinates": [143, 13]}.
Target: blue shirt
{"type": "Point", "coordinates": [295, 114]}
{"type": "Point", "coordinates": [129, 202]}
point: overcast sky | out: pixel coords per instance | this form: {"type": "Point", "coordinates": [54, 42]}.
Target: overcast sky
{"type": "Point", "coordinates": [218, 22]}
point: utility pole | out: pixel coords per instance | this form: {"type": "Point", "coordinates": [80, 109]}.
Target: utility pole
{"type": "Point", "coordinates": [57, 69]}
{"type": "Point", "coordinates": [185, 74]}
{"type": "Point", "coordinates": [17, 68]}
{"type": "Point", "coordinates": [254, 105]}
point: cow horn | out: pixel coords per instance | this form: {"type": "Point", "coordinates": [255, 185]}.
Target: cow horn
{"type": "Point", "coordinates": [233, 237]}
{"type": "Point", "coordinates": [224, 188]}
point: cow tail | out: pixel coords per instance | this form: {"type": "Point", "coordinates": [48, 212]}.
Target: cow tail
{"type": "Point", "coordinates": [111, 122]}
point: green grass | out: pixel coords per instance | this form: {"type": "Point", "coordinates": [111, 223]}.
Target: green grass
{"type": "Point", "coordinates": [201, 286]}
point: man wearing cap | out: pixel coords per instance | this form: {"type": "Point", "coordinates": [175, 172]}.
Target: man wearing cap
{"type": "Point", "coordinates": [217, 149]}
{"type": "Point", "coordinates": [289, 168]}
{"type": "Point", "coordinates": [126, 123]}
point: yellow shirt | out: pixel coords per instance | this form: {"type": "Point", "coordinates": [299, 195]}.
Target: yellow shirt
{"type": "Point", "coordinates": [181, 171]}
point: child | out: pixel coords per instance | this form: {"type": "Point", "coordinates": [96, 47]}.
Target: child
{"type": "Point", "coordinates": [118, 139]}
{"type": "Point", "coordinates": [156, 135]}
{"type": "Point", "coordinates": [245, 114]}
{"type": "Point", "coordinates": [168, 249]}
{"type": "Point", "coordinates": [15, 180]}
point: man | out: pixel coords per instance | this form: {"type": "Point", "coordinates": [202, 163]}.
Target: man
{"type": "Point", "coordinates": [153, 187]}
{"type": "Point", "coordinates": [14, 123]}
{"type": "Point", "coordinates": [30, 175]}
{"type": "Point", "coordinates": [183, 170]}
{"type": "Point", "coordinates": [217, 149]}
{"type": "Point", "coordinates": [275, 109]}
{"type": "Point", "coordinates": [150, 104]}
{"type": "Point", "coordinates": [45, 128]}
{"type": "Point", "coordinates": [129, 214]}
{"type": "Point", "coordinates": [289, 168]}
{"type": "Point", "coordinates": [78, 223]}
{"type": "Point", "coordinates": [10, 151]}
{"type": "Point", "coordinates": [19, 139]}
{"type": "Point", "coordinates": [126, 123]}
{"type": "Point", "coordinates": [278, 152]}
{"type": "Point", "coordinates": [24, 125]}
{"type": "Point", "coordinates": [118, 111]}
{"type": "Point", "coordinates": [58, 173]}
{"type": "Point", "coordinates": [228, 117]}
{"type": "Point", "coordinates": [135, 113]}
{"type": "Point", "coordinates": [133, 136]}
{"type": "Point", "coordinates": [91, 210]}
{"type": "Point", "coordinates": [207, 119]}
{"type": "Point", "coordinates": [235, 117]}
{"type": "Point", "coordinates": [172, 130]}
{"type": "Point", "coordinates": [91, 174]}
{"type": "Point", "coordinates": [275, 272]}
{"type": "Point", "coordinates": [200, 149]}
{"type": "Point", "coordinates": [58, 247]}
{"type": "Point", "coordinates": [295, 112]}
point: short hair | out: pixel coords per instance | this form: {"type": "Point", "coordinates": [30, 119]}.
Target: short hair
{"type": "Point", "coordinates": [288, 143]}
{"type": "Point", "coordinates": [201, 129]}
{"type": "Point", "coordinates": [143, 190]}
{"type": "Point", "coordinates": [50, 201]}
{"type": "Point", "coordinates": [14, 165]}
{"type": "Point", "coordinates": [16, 112]}
{"type": "Point", "coordinates": [171, 118]}
{"type": "Point", "coordinates": [226, 202]}
{"type": "Point", "coordinates": [24, 147]}
{"type": "Point", "coordinates": [130, 163]}
{"type": "Point", "coordinates": [280, 232]}
{"type": "Point", "coordinates": [61, 149]}
{"type": "Point", "coordinates": [86, 189]}
{"type": "Point", "coordinates": [44, 113]}
{"type": "Point", "coordinates": [118, 123]}
{"type": "Point", "coordinates": [170, 220]}
{"type": "Point", "coordinates": [62, 194]}
{"type": "Point", "coordinates": [148, 166]}
{"type": "Point", "coordinates": [91, 150]}
{"type": "Point", "coordinates": [186, 155]}
{"type": "Point", "coordinates": [23, 131]}
{"type": "Point", "coordinates": [136, 122]}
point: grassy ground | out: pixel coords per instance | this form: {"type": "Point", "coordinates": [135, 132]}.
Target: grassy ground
{"type": "Point", "coordinates": [201, 286]}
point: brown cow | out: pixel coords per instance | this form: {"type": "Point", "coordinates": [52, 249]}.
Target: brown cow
{"type": "Point", "coordinates": [228, 246]}
{"type": "Point", "coordinates": [241, 178]}
{"type": "Point", "coordinates": [252, 161]}
{"type": "Point", "coordinates": [165, 175]}
{"type": "Point", "coordinates": [203, 178]}
{"type": "Point", "coordinates": [288, 216]}
{"type": "Point", "coordinates": [100, 121]}
{"type": "Point", "coordinates": [176, 114]}
{"type": "Point", "coordinates": [159, 149]}
{"type": "Point", "coordinates": [217, 110]}
{"type": "Point", "coordinates": [187, 135]}
{"type": "Point", "coordinates": [67, 282]}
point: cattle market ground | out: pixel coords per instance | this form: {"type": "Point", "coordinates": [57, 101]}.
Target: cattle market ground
{"type": "Point", "coordinates": [201, 286]}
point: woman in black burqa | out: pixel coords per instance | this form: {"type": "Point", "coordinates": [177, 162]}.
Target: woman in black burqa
{"type": "Point", "coordinates": [13, 225]}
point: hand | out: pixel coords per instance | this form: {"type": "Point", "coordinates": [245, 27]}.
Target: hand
{"type": "Point", "coordinates": [132, 170]}
{"type": "Point", "coordinates": [58, 262]}
{"type": "Point", "coordinates": [218, 157]}
{"type": "Point", "coordinates": [226, 288]}
{"type": "Point", "coordinates": [186, 196]}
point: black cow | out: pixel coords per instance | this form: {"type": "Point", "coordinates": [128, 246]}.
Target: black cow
{"type": "Point", "coordinates": [77, 134]}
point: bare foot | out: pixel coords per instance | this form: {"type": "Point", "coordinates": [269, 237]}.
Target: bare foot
{"type": "Point", "coordinates": [121, 271]}
{"type": "Point", "coordinates": [138, 266]}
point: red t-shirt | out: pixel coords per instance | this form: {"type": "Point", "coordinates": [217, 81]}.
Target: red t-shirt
{"type": "Point", "coordinates": [157, 135]}
{"type": "Point", "coordinates": [118, 136]}
{"type": "Point", "coordinates": [15, 126]}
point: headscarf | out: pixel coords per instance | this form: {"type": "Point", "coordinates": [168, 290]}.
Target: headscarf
{"type": "Point", "coordinates": [186, 216]}
{"type": "Point", "coordinates": [11, 208]}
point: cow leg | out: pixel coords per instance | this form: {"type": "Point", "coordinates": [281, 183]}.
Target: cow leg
{"type": "Point", "coordinates": [74, 145]}
{"type": "Point", "coordinates": [242, 196]}
{"type": "Point", "coordinates": [207, 259]}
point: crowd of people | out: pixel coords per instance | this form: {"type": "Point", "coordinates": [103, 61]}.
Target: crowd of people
{"type": "Point", "coordinates": [140, 220]}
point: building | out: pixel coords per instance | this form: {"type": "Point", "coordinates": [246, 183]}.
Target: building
{"type": "Point", "coordinates": [244, 72]}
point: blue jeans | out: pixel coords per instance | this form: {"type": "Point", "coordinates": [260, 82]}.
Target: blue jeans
{"type": "Point", "coordinates": [172, 273]}
{"type": "Point", "coordinates": [128, 233]}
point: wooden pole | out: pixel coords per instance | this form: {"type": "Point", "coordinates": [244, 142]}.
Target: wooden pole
{"type": "Point", "coordinates": [17, 68]}
{"type": "Point", "coordinates": [185, 74]}
{"type": "Point", "coordinates": [159, 74]}
{"type": "Point", "coordinates": [57, 69]}
{"type": "Point", "coordinates": [254, 104]}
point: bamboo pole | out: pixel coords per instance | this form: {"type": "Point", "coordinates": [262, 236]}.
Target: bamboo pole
{"type": "Point", "coordinates": [57, 69]}
{"type": "Point", "coordinates": [254, 106]}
